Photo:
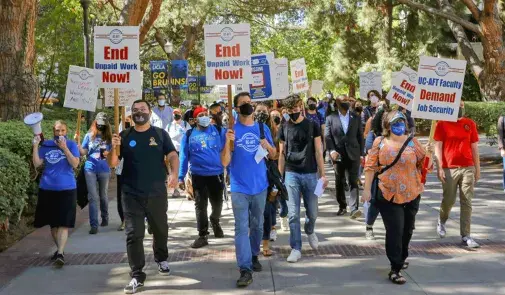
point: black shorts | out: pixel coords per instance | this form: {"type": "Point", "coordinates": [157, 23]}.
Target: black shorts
{"type": "Point", "coordinates": [56, 208]}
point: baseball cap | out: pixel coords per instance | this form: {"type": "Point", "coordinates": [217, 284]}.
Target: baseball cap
{"type": "Point", "coordinates": [101, 118]}
{"type": "Point", "coordinates": [399, 116]}
{"type": "Point", "coordinates": [198, 111]}
{"type": "Point", "coordinates": [194, 102]}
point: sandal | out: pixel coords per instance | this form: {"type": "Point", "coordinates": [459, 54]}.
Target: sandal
{"type": "Point", "coordinates": [405, 265]}
{"type": "Point", "coordinates": [266, 249]}
{"type": "Point", "coordinates": [397, 278]}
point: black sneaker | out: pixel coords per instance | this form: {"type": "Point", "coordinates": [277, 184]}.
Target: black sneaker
{"type": "Point", "coordinates": [149, 229]}
{"type": "Point", "coordinates": [93, 231]}
{"type": "Point", "coordinates": [60, 261]}
{"type": "Point", "coordinates": [105, 222]}
{"type": "Point", "coordinates": [341, 212]}
{"type": "Point", "coordinates": [218, 231]}
{"type": "Point", "coordinates": [200, 242]}
{"type": "Point", "coordinates": [133, 287]}
{"type": "Point", "coordinates": [245, 279]}
{"type": "Point", "coordinates": [256, 264]}
{"type": "Point", "coordinates": [55, 255]}
{"type": "Point", "coordinates": [163, 268]}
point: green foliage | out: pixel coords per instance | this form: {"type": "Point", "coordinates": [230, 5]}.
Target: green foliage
{"type": "Point", "coordinates": [14, 182]}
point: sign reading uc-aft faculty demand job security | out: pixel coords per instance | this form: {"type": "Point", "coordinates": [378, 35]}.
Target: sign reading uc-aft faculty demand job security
{"type": "Point", "coordinates": [228, 54]}
{"type": "Point", "coordinates": [116, 56]}
{"type": "Point", "coordinates": [439, 88]}
{"type": "Point", "coordinates": [403, 87]}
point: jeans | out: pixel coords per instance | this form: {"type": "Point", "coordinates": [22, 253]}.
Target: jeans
{"type": "Point", "coordinates": [94, 192]}
{"type": "Point", "coordinates": [136, 209]}
{"type": "Point", "coordinates": [301, 184]}
{"type": "Point", "coordinates": [269, 215]}
{"type": "Point", "coordinates": [248, 213]}
{"type": "Point", "coordinates": [205, 189]}
{"type": "Point", "coordinates": [371, 213]}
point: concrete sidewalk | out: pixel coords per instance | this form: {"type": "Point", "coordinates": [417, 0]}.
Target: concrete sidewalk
{"type": "Point", "coordinates": [345, 263]}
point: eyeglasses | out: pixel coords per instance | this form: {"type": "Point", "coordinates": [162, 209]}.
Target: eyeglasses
{"type": "Point", "coordinates": [143, 110]}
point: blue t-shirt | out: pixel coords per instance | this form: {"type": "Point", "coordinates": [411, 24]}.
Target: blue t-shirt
{"type": "Point", "coordinates": [203, 152]}
{"type": "Point", "coordinates": [94, 163]}
{"type": "Point", "coordinates": [58, 174]}
{"type": "Point", "coordinates": [315, 118]}
{"type": "Point", "coordinates": [247, 176]}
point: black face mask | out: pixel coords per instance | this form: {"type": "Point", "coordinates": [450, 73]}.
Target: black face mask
{"type": "Point", "coordinates": [294, 116]}
{"type": "Point", "coordinates": [261, 117]}
{"type": "Point", "coordinates": [101, 128]}
{"type": "Point", "coordinates": [127, 124]}
{"type": "Point", "coordinates": [345, 106]}
{"type": "Point", "coordinates": [359, 109]}
{"type": "Point", "coordinates": [277, 120]}
{"type": "Point", "coordinates": [140, 118]}
{"type": "Point", "coordinates": [246, 109]}
{"type": "Point", "coordinates": [312, 107]}
{"type": "Point", "coordinates": [177, 117]}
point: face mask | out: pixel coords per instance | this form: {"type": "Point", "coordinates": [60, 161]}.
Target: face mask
{"type": "Point", "coordinates": [344, 106]}
{"type": "Point", "coordinates": [277, 120]}
{"type": "Point", "coordinates": [246, 109]}
{"type": "Point", "coordinates": [261, 117]}
{"type": "Point", "coordinates": [332, 108]}
{"type": "Point", "coordinates": [398, 128]}
{"type": "Point", "coordinates": [328, 96]}
{"type": "Point", "coordinates": [177, 117]}
{"type": "Point", "coordinates": [286, 116]}
{"type": "Point", "coordinates": [374, 99]}
{"type": "Point", "coordinates": [204, 121]}
{"type": "Point", "coordinates": [461, 113]}
{"type": "Point", "coordinates": [101, 127]}
{"type": "Point", "coordinates": [127, 124]}
{"type": "Point", "coordinates": [57, 138]}
{"type": "Point", "coordinates": [359, 109]}
{"type": "Point", "coordinates": [294, 116]}
{"type": "Point", "coordinates": [161, 102]}
{"type": "Point", "coordinates": [140, 118]}
{"type": "Point", "coordinates": [312, 107]}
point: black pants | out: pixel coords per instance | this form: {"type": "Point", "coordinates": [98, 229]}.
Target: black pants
{"type": "Point", "coordinates": [205, 189]}
{"type": "Point", "coordinates": [352, 168]}
{"type": "Point", "coordinates": [119, 199]}
{"type": "Point", "coordinates": [135, 210]}
{"type": "Point", "coordinates": [399, 220]}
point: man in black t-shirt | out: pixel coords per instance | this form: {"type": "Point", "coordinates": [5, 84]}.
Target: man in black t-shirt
{"type": "Point", "coordinates": [146, 150]}
{"type": "Point", "coordinates": [301, 157]}
{"type": "Point", "coordinates": [188, 115]}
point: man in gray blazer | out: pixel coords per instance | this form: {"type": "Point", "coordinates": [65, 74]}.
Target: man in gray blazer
{"type": "Point", "coordinates": [344, 141]}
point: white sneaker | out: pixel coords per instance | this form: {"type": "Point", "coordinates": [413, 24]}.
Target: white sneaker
{"type": "Point", "coordinates": [163, 268]}
{"type": "Point", "coordinates": [469, 242]}
{"type": "Point", "coordinates": [294, 256]}
{"type": "Point", "coordinates": [284, 224]}
{"type": "Point", "coordinates": [313, 241]}
{"type": "Point", "coordinates": [369, 235]}
{"type": "Point", "coordinates": [273, 235]}
{"type": "Point", "coordinates": [133, 287]}
{"type": "Point", "coordinates": [441, 229]}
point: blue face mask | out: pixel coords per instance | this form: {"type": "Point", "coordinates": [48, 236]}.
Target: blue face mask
{"type": "Point", "coordinates": [286, 116]}
{"type": "Point", "coordinates": [398, 128]}
{"type": "Point", "coordinates": [204, 121]}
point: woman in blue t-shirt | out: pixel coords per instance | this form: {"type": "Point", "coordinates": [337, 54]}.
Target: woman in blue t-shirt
{"type": "Point", "coordinates": [96, 145]}
{"type": "Point", "coordinates": [57, 197]}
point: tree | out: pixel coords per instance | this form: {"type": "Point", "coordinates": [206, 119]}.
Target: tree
{"type": "Point", "coordinates": [19, 88]}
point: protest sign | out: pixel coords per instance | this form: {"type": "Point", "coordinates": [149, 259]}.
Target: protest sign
{"type": "Point", "coordinates": [81, 92]}
{"type": "Point", "coordinates": [403, 87]}
{"type": "Point", "coordinates": [223, 91]}
{"type": "Point", "coordinates": [262, 73]}
{"type": "Point", "coordinates": [369, 81]}
{"type": "Point", "coordinates": [116, 56]}
{"type": "Point", "coordinates": [126, 96]}
{"type": "Point", "coordinates": [228, 54]}
{"type": "Point", "coordinates": [179, 74]}
{"type": "Point", "coordinates": [281, 82]}
{"type": "Point", "coordinates": [439, 88]}
{"type": "Point", "coordinates": [316, 87]}
{"type": "Point", "coordinates": [193, 85]}
{"type": "Point", "coordinates": [159, 76]}
{"type": "Point", "coordinates": [242, 88]}
{"type": "Point", "coordinates": [299, 75]}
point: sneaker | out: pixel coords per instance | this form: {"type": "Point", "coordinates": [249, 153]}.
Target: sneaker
{"type": "Point", "coordinates": [163, 268]}
{"type": "Point", "coordinates": [200, 242]}
{"type": "Point", "coordinates": [273, 235]}
{"type": "Point", "coordinates": [284, 223]}
{"type": "Point", "coordinates": [469, 242]}
{"type": "Point", "coordinates": [55, 255]}
{"type": "Point", "coordinates": [133, 287]}
{"type": "Point", "coordinates": [245, 279]}
{"type": "Point", "coordinates": [105, 222]}
{"type": "Point", "coordinates": [369, 234]}
{"type": "Point", "coordinates": [121, 227]}
{"type": "Point", "coordinates": [355, 214]}
{"type": "Point", "coordinates": [441, 229]}
{"type": "Point", "coordinates": [341, 212]}
{"type": "Point", "coordinates": [218, 231]}
{"type": "Point", "coordinates": [256, 264]}
{"type": "Point", "coordinates": [313, 241]}
{"type": "Point", "coordinates": [294, 256]}
{"type": "Point", "coordinates": [93, 231]}
{"type": "Point", "coordinates": [149, 229]}
{"type": "Point", "coordinates": [176, 194]}
{"type": "Point", "coordinates": [60, 261]}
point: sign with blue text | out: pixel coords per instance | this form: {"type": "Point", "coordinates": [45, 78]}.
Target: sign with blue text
{"type": "Point", "coordinates": [179, 74]}
{"type": "Point", "coordinates": [193, 85]}
{"type": "Point", "coordinates": [262, 74]}
{"type": "Point", "coordinates": [403, 87]}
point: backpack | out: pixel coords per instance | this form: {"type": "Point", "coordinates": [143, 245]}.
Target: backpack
{"type": "Point", "coordinates": [273, 175]}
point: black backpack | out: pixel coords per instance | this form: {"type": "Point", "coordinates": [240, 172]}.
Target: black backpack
{"type": "Point", "coordinates": [273, 174]}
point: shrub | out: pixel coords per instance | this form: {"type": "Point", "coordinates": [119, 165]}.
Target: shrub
{"type": "Point", "coordinates": [14, 182]}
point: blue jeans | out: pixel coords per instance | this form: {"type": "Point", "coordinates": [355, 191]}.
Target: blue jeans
{"type": "Point", "coordinates": [284, 208]}
{"type": "Point", "coordinates": [371, 213]}
{"type": "Point", "coordinates": [98, 185]}
{"type": "Point", "coordinates": [248, 213]}
{"type": "Point", "coordinates": [304, 185]}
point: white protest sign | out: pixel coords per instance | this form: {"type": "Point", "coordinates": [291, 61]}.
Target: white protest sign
{"type": "Point", "coordinates": [117, 62]}
{"type": "Point", "coordinates": [228, 54]}
{"type": "Point", "coordinates": [126, 97]}
{"type": "Point", "coordinates": [242, 88]}
{"type": "Point", "coordinates": [81, 92]}
{"type": "Point", "coordinates": [439, 88]}
{"type": "Point", "coordinates": [281, 81]}
{"type": "Point", "coordinates": [223, 92]}
{"type": "Point", "coordinates": [299, 75]}
{"type": "Point", "coordinates": [369, 81]}
{"type": "Point", "coordinates": [316, 87]}
{"type": "Point", "coordinates": [403, 87]}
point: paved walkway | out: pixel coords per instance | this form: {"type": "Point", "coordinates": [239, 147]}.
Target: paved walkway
{"type": "Point", "coordinates": [344, 264]}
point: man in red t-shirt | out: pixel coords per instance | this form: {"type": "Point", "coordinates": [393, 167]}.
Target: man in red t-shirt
{"type": "Point", "coordinates": [457, 155]}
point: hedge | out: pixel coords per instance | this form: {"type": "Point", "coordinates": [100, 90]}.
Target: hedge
{"type": "Point", "coordinates": [14, 182]}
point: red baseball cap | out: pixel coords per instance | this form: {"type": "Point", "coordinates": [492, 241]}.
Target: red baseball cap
{"type": "Point", "coordinates": [198, 111]}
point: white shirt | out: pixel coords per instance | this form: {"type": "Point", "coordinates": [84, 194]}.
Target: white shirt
{"type": "Point", "coordinates": [177, 131]}
{"type": "Point", "coordinates": [345, 121]}
{"type": "Point", "coordinates": [162, 118]}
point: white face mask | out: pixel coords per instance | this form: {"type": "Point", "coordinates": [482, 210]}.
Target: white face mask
{"type": "Point", "coordinates": [374, 99]}
{"type": "Point", "coordinates": [161, 103]}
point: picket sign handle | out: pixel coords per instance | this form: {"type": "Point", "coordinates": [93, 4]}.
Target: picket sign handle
{"type": "Point", "coordinates": [78, 129]}
{"type": "Point", "coordinates": [123, 118]}
{"type": "Point", "coordinates": [116, 115]}
{"type": "Point", "coordinates": [231, 120]}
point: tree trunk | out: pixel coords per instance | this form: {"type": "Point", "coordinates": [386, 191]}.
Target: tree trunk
{"type": "Point", "coordinates": [19, 87]}
{"type": "Point", "coordinates": [352, 90]}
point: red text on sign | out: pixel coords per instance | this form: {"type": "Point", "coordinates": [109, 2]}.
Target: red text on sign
{"type": "Point", "coordinates": [401, 99]}
{"type": "Point", "coordinates": [115, 53]}
{"type": "Point", "coordinates": [227, 51]}
{"type": "Point", "coordinates": [298, 74]}
{"type": "Point", "coordinates": [221, 74]}
{"type": "Point", "coordinates": [408, 86]}
{"type": "Point", "coordinates": [115, 78]}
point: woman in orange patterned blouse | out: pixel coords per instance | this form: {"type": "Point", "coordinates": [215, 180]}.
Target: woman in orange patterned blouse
{"type": "Point", "coordinates": [400, 188]}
